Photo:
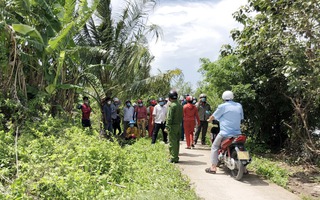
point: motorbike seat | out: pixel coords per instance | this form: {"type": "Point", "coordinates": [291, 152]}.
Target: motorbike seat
{"type": "Point", "coordinates": [233, 140]}
{"type": "Point", "coordinates": [227, 142]}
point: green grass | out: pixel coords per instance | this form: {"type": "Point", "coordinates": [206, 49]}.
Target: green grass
{"type": "Point", "coordinates": [58, 161]}
{"type": "Point", "coordinates": [270, 170]}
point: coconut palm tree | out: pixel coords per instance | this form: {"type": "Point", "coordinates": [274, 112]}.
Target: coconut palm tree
{"type": "Point", "coordinates": [117, 50]}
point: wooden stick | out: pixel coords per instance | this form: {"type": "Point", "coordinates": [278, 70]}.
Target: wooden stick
{"type": "Point", "coordinates": [16, 150]}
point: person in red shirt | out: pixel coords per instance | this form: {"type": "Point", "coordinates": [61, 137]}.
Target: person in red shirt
{"type": "Point", "coordinates": [153, 103]}
{"type": "Point", "coordinates": [141, 116]}
{"type": "Point", "coordinates": [86, 110]}
{"type": "Point", "coordinates": [190, 116]}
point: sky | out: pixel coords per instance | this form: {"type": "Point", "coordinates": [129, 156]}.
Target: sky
{"type": "Point", "coordinates": [192, 29]}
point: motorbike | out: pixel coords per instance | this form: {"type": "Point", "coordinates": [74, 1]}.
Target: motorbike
{"type": "Point", "coordinates": [234, 156]}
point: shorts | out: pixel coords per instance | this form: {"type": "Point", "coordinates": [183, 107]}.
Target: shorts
{"type": "Point", "coordinates": [86, 122]}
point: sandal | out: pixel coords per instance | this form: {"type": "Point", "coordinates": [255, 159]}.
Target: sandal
{"type": "Point", "coordinates": [188, 147]}
{"type": "Point", "coordinates": [209, 171]}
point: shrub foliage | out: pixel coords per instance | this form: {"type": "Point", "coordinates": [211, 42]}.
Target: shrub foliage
{"type": "Point", "coordinates": [57, 161]}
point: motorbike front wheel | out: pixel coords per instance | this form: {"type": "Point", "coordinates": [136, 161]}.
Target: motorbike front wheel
{"type": "Point", "coordinates": [238, 171]}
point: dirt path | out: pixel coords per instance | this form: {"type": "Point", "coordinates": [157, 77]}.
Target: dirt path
{"type": "Point", "coordinates": [222, 186]}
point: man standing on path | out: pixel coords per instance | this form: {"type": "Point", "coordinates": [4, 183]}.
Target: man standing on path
{"type": "Point", "coordinates": [204, 110]}
{"type": "Point", "coordinates": [173, 126]}
{"type": "Point", "coordinates": [230, 115]}
{"type": "Point", "coordinates": [159, 121]}
{"type": "Point", "coordinates": [190, 116]}
{"type": "Point", "coordinates": [183, 102]}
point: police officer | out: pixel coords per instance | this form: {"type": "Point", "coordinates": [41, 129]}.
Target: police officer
{"type": "Point", "coordinates": [173, 126]}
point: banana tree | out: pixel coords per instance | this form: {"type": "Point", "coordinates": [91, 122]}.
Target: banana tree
{"type": "Point", "coordinates": [44, 34]}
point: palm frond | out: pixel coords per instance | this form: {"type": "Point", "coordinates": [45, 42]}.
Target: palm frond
{"type": "Point", "coordinates": [69, 11]}
{"type": "Point", "coordinates": [160, 83]}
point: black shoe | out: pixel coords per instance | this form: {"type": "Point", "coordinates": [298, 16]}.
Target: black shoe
{"type": "Point", "coordinates": [192, 146]}
{"type": "Point", "coordinates": [173, 161]}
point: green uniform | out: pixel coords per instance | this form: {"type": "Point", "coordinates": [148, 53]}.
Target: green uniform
{"type": "Point", "coordinates": [173, 125]}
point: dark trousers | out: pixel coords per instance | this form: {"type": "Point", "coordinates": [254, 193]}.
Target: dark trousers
{"type": "Point", "coordinates": [182, 131]}
{"type": "Point", "coordinates": [116, 126]}
{"type": "Point", "coordinates": [86, 123]}
{"type": "Point", "coordinates": [203, 127]}
{"type": "Point", "coordinates": [156, 129]}
{"type": "Point", "coordinates": [108, 126]}
{"type": "Point", "coordinates": [125, 127]}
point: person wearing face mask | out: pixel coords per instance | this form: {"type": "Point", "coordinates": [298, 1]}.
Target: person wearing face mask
{"type": "Point", "coordinates": [150, 109]}
{"type": "Point", "coordinates": [204, 111]}
{"type": "Point", "coordinates": [183, 102]}
{"type": "Point", "coordinates": [141, 116]}
{"type": "Point", "coordinates": [114, 115]}
{"type": "Point", "coordinates": [86, 110]}
{"type": "Point", "coordinates": [173, 126]}
{"type": "Point", "coordinates": [190, 117]}
{"type": "Point", "coordinates": [128, 115]}
{"type": "Point", "coordinates": [107, 111]}
{"type": "Point", "coordinates": [132, 131]}
{"type": "Point", "coordinates": [159, 120]}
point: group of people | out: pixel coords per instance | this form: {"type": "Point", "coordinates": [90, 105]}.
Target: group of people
{"type": "Point", "coordinates": [137, 117]}
{"type": "Point", "coordinates": [177, 120]}
{"type": "Point", "coordinates": [144, 121]}
{"type": "Point", "coordinates": [203, 110]}
{"type": "Point", "coordinates": [138, 120]}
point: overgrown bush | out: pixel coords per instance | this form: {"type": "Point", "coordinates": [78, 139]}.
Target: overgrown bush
{"type": "Point", "coordinates": [256, 148]}
{"type": "Point", "coordinates": [61, 162]}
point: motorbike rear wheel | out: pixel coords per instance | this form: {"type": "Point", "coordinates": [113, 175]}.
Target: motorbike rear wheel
{"type": "Point", "coordinates": [237, 173]}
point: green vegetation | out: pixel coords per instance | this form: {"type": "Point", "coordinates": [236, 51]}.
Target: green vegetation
{"type": "Point", "coordinates": [270, 170]}
{"type": "Point", "coordinates": [273, 69]}
{"type": "Point", "coordinates": [59, 161]}
{"type": "Point", "coordinates": [54, 52]}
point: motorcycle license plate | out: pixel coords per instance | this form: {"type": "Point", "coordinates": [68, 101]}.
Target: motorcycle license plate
{"type": "Point", "coordinates": [243, 155]}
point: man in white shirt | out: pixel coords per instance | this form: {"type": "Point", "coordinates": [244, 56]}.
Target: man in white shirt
{"type": "Point", "coordinates": [159, 120]}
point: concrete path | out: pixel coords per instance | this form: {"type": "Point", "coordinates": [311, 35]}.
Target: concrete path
{"type": "Point", "coordinates": [221, 186]}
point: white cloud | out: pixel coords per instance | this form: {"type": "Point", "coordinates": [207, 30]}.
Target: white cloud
{"type": "Point", "coordinates": [192, 30]}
